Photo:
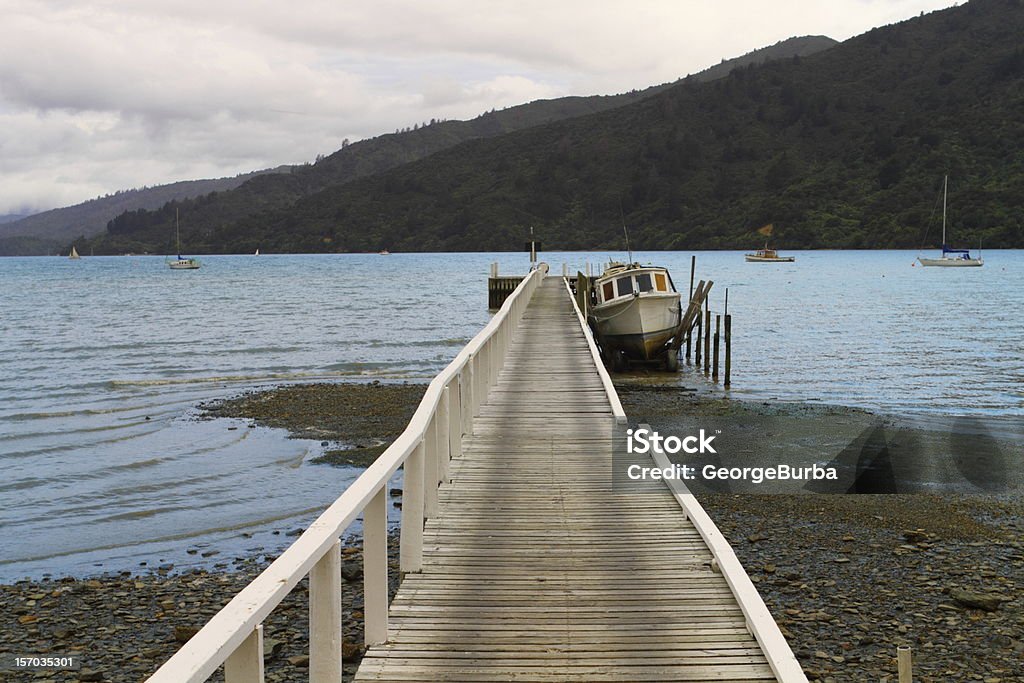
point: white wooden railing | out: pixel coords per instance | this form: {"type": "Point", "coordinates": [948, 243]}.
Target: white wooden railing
{"type": "Point", "coordinates": [234, 636]}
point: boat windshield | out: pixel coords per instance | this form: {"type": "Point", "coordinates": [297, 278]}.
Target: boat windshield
{"type": "Point", "coordinates": [624, 285]}
{"type": "Point", "coordinates": [643, 282]}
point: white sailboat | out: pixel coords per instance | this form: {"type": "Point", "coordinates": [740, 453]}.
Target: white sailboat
{"type": "Point", "coordinates": [951, 258]}
{"type": "Point", "coordinates": [181, 263]}
{"type": "Point", "coordinates": [74, 253]}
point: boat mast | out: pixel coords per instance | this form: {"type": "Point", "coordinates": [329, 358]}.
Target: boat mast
{"type": "Point", "coordinates": [629, 250]}
{"type": "Point", "coordinates": [945, 184]}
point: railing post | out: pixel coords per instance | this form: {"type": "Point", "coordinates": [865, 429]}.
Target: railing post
{"type": "Point", "coordinates": [456, 422]}
{"type": "Point", "coordinates": [467, 387]}
{"type": "Point", "coordinates": [484, 371]}
{"type": "Point", "coordinates": [411, 542]}
{"type": "Point", "coordinates": [245, 664]}
{"type": "Point", "coordinates": [443, 441]}
{"type": "Point", "coordinates": [325, 618]}
{"type": "Point", "coordinates": [479, 388]}
{"type": "Point", "coordinates": [431, 468]}
{"type": "Point", "coordinates": [375, 568]}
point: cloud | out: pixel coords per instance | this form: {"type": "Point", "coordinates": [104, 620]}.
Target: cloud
{"type": "Point", "coordinates": [101, 96]}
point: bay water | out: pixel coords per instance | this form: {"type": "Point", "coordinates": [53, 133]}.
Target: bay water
{"type": "Point", "coordinates": [105, 359]}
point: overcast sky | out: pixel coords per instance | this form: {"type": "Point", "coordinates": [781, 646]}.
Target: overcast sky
{"type": "Point", "coordinates": [100, 96]}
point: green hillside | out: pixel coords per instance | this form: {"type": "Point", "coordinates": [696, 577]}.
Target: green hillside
{"type": "Point", "coordinates": [843, 149]}
{"type": "Point", "coordinates": [204, 217]}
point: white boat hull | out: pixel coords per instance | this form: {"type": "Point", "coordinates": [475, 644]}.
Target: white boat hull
{"type": "Point", "coordinates": [764, 259]}
{"type": "Point", "coordinates": [184, 264]}
{"type": "Point", "coordinates": [638, 326]}
{"type": "Point", "coordinates": [952, 262]}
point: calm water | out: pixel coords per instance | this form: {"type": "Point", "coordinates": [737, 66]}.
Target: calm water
{"type": "Point", "coordinates": [104, 360]}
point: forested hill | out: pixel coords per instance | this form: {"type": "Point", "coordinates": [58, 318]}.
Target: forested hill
{"type": "Point", "coordinates": [844, 149]}
{"type": "Point", "coordinates": [202, 216]}
{"type": "Point", "coordinates": [56, 226]}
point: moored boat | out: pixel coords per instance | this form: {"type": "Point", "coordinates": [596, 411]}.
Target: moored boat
{"type": "Point", "coordinates": [74, 253]}
{"type": "Point", "coordinates": [635, 313]}
{"type": "Point", "coordinates": [767, 255]}
{"type": "Point", "coordinates": [182, 262]}
{"type": "Point", "coordinates": [951, 258]}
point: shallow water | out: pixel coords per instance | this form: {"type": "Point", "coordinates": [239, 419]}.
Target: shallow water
{"type": "Point", "coordinates": [105, 358]}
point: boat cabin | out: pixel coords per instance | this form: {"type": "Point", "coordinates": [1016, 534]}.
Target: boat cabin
{"type": "Point", "coordinates": [626, 281]}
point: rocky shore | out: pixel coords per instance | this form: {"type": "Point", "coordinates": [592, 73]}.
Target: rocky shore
{"type": "Point", "coordinates": [124, 627]}
{"type": "Point", "coordinates": [847, 577]}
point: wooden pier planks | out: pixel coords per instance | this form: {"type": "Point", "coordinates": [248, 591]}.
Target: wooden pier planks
{"type": "Point", "coordinates": [536, 569]}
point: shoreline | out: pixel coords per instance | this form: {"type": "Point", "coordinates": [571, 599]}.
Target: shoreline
{"type": "Point", "coordinates": [848, 578]}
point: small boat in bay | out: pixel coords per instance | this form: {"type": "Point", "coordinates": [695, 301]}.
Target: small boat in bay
{"type": "Point", "coordinates": [635, 313]}
{"type": "Point", "coordinates": [74, 253]}
{"type": "Point", "coordinates": [767, 255]}
{"type": "Point", "coordinates": [182, 262]}
{"type": "Point", "coordinates": [951, 258]}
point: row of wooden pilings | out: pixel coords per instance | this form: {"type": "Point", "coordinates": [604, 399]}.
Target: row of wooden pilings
{"type": "Point", "coordinates": [712, 343]}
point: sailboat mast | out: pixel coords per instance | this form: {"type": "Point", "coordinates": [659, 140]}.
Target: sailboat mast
{"type": "Point", "coordinates": [177, 232]}
{"type": "Point", "coordinates": [945, 185]}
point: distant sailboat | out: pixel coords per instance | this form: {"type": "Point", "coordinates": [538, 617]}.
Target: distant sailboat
{"type": "Point", "coordinates": [951, 258]}
{"type": "Point", "coordinates": [257, 252]}
{"type": "Point", "coordinates": [74, 253]}
{"type": "Point", "coordinates": [181, 263]}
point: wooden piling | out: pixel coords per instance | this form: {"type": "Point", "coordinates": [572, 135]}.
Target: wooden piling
{"type": "Point", "coordinates": [689, 342]}
{"type": "Point", "coordinates": [707, 342]}
{"type": "Point", "coordinates": [718, 326]}
{"type": "Point", "coordinates": [700, 330]}
{"type": "Point", "coordinates": [693, 267]}
{"type": "Point", "coordinates": [728, 351]}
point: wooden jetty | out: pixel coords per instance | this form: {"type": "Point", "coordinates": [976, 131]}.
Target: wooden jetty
{"type": "Point", "coordinates": [521, 560]}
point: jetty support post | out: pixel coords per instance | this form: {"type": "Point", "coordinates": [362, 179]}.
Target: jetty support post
{"type": "Point", "coordinates": [245, 664]}
{"type": "Point", "coordinates": [707, 340]}
{"type": "Point", "coordinates": [410, 555]}
{"type": "Point", "coordinates": [700, 331]}
{"type": "Point", "coordinates": [718, 327]}
{"type": "Point", "coordinates": [375, 569]}
{"type": "Point", "coordinates": [728, 351]}
{"type": "Point", "coordinates": [456, 422]}
{"type": "Point", "coordinates": [325, 616]}
{"type": "Point", "coordinates": [904, 664]}
{"type": "Point", "coordinates": [689, 343]}
{"type": "Point", "coordinates": [431, 468]}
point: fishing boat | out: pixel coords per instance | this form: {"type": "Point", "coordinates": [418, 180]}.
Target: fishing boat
{"type": "Point", "coordinates": [767, 255]}
{"type": "Point", "coordinates": [384, 252]}
{"type": "Point", "coordinates": [74, 253]}
{"type": "Point", "coordinates": [635, 313]}
{"type": "Point", "coordinates": [951, 258]}
{"type": "Point", "coordinates": [181, 263]}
